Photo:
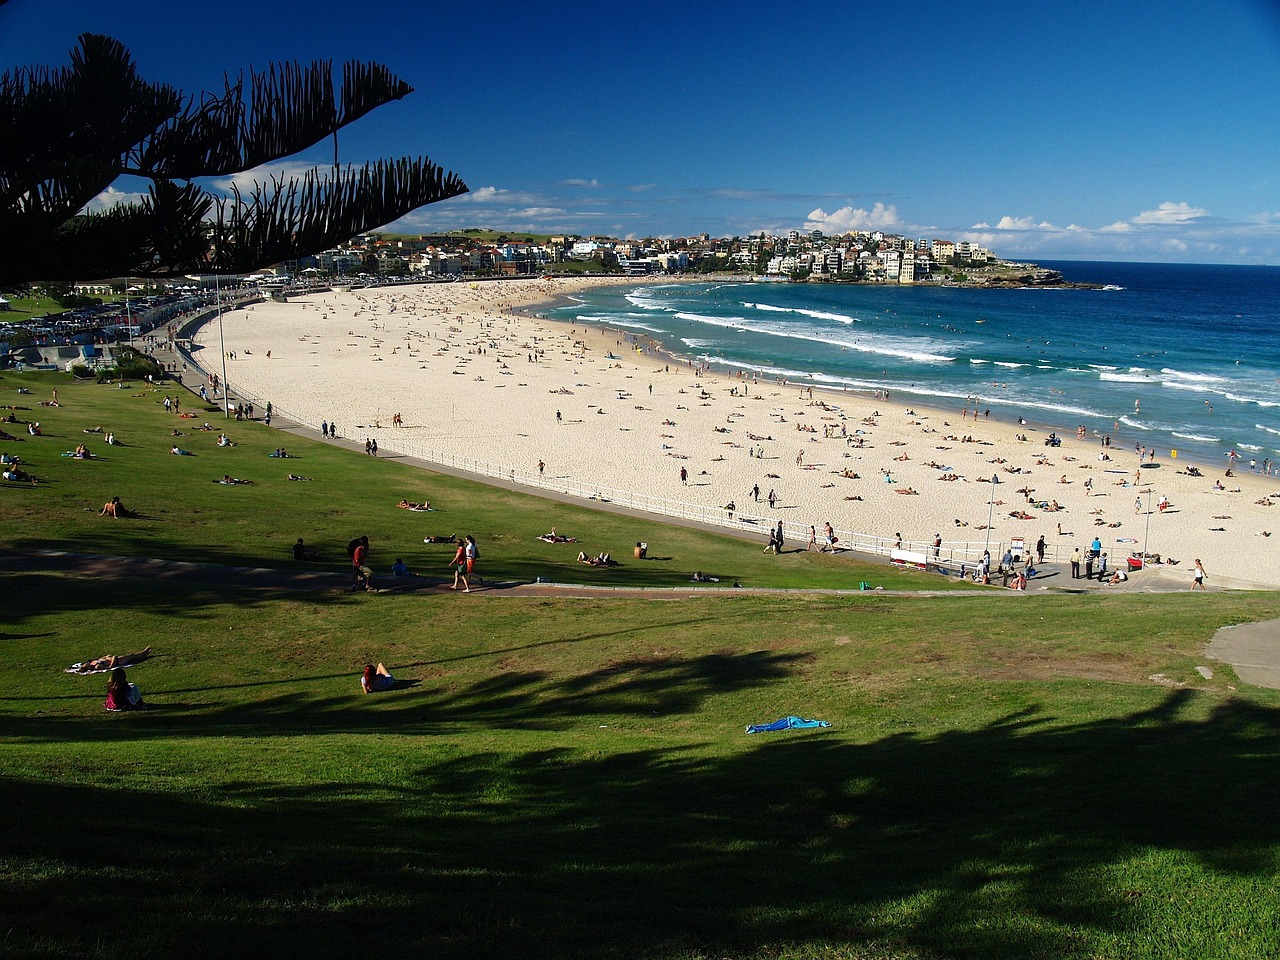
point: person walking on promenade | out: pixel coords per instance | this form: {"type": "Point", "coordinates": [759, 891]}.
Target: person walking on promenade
{"type": "Point", "coordinates": [1075, 564]}
{"type": "Point", "coordinates": [1198, 576]}
{"type": "Point", "coordinates": [361, 572]}
{"type": "Point", "coordinates": [459, 564]}
{"type": "Point", "coordinates": [472, 554]}
{"type": "Point", "coordinates": [1040, 550]}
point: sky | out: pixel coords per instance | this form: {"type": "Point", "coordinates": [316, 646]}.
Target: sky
{"type": "Point", "coordinates": [1087, 130]}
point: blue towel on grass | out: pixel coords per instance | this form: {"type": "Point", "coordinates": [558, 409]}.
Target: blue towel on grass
{"type": "Point", "coordinates": [786, 723]}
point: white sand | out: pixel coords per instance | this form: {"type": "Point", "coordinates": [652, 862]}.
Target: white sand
{"type": "Point", "coordinates": [453, 361]}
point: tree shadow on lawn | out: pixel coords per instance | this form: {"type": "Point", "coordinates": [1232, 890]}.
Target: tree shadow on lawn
{"type": "Point", "coordinates": [1021, 838]}
{"type": "Point", "coordinates": [645, 689]}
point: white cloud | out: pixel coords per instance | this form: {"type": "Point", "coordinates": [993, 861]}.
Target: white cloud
{"type": "Point", "coordinates": [285, 170]}
{"type": "Point", "coordinates": [1171, 213]}
{"type": "Point", "coordinates": [111, 197]}
{"type": "Point", "coordinates": [853, 218]}
{"type": "Point", "coordinates": [486, 194]}
{"type": "Point", "coordinates": [1120, 226]}
{"type": "Point", "coordinates": [1023, 223]}
{"type": "Point", "coordinates": [576, 182]}
{"type": "Point", "coordinates": [539, 212]}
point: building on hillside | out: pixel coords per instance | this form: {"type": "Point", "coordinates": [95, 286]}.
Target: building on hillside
{"type": "Point", "coordinates": [944, 251]}
{"type": "Point", "coordinates": [907, 270]}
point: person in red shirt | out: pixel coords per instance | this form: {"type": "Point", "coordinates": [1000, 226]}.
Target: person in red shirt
{"type": "Point", "coordinates": [361, 572]}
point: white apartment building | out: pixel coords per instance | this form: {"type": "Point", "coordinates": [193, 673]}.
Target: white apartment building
{"type": "Point", "coordinates": [907, 270]}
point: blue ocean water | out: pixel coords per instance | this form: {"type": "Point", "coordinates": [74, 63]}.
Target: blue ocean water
{"type": "Point", "coordinates": [1170, 356]}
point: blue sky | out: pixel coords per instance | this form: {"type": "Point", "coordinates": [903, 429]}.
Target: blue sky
{"type": "Point", "coordinates": [1083, 130]}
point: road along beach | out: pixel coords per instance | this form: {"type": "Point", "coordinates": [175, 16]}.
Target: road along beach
{"type": "Point", "coordinates": [464, 374]}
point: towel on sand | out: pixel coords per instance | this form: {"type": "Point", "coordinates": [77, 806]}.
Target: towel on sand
{"type": "Point", "coordinates": [786, 723]}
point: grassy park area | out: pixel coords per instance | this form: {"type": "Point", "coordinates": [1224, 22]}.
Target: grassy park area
{"type": "Point", "coordinates": [1003, 777]}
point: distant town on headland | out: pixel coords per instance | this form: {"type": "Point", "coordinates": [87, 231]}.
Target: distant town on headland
{"type": "Point", "coordinates": [862, 257]}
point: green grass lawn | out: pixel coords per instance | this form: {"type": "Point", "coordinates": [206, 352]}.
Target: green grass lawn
{"type": "Point", "coordinates": [186, 515]}
{"type": "Point", "coordinates": [570, 778]}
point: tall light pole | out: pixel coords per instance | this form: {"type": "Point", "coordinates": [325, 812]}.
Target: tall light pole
{"type": "Point", "coordinates": [222, 345]}
{"type": "Point", "coordinates": [991, 504]}
{"type": "Point", "coordinates": [128, 311]}
{"type": "Point", "coordinates": [1146, 533]}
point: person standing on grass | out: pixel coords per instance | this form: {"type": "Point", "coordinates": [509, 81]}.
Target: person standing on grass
{"type": "Point", "coordinates": [813, 538]}
{"type": "Point", "coordinates": [459, 564]}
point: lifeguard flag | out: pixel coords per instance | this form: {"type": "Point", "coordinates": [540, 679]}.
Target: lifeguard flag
{"type": "Point", "coordinates": [1173, 454]}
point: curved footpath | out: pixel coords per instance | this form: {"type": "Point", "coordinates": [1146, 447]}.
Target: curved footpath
{"type": "Point", "coordinates": [1251, 649]}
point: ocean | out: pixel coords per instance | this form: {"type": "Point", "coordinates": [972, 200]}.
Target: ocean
{"type": "Point", "coordinates": [1167, 356]}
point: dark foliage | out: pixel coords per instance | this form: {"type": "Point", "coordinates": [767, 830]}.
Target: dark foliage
{"type": "Point", "coordinates": [68, 134]}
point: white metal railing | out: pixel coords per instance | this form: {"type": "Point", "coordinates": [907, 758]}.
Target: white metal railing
{"type": "Point", "coordinates": [953, 555]}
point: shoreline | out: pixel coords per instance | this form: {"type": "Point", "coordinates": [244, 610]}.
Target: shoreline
{"type": "Point", "coordinates": [458, 362]}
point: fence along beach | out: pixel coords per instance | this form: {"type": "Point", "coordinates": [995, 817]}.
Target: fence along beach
{"type": "Point", "coordinates": [481, 383]}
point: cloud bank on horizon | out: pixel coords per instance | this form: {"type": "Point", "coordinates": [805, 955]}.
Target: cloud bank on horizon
{"type": "Point", "coordinates": [1171, 230]}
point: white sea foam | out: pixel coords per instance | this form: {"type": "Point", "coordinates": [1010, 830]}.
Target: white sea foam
{"type": "Point", "coordinates": [1126, 378]}
{"type": "Point", "coordinates": [1200, 377]}
{"type": "Point", "coordinates": [619, 320]}
{"type": "Point", "coordinates": [644, 299]}
{"type": "Point", "coordinates": [976, 361]}
{"type": "Point", "coordinates": [904, 347]}
{"type": "Point", "coordinates": [1009, 364]}
{"type": "Point", "coordinates": [1140, 424]}
{"type": "Point", "coordinates": [1262, 403]}
{"type": "Point", "coordinates": [1267, 429]}
{"type": "Point", "coordinates": [815, 314]}
{"type": "Point", "coordinates": [1196, 437]}
{"type": "Point", "coordinates": [1248, 446]}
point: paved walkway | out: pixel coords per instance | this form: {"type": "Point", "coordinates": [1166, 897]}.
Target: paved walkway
{"type": "Point", "coordinates": [1252, 650]}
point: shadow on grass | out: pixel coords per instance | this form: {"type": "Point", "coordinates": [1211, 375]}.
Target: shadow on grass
{"type": "Point", "coordinates": [1022, 838]}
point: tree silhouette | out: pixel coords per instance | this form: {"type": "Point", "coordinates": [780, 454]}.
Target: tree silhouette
{"type": "Point", "coordinates": [69, 133]}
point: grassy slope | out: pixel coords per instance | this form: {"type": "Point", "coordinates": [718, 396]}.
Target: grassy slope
{"type": "Point", "coordinates": [570, 778]}
{"type": "Point", "coordinates": [186, 513]}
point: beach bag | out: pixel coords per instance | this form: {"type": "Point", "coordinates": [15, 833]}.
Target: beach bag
{"type": "Point", "coordinates": [134, 696]}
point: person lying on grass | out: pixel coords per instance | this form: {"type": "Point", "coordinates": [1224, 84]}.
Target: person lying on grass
{"type": "Point", "coordinates": [376, 679]}
{"type": "Point", "coordinates": [111, 661]}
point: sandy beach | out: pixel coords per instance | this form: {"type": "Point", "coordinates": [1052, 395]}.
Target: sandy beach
{"type": "Point", "coordinates": [476, 378]}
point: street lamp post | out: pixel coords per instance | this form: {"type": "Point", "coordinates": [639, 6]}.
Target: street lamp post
{"type": "Point", "coordinates": [222, 345]}
{"type": "Point", "coordinates": [991, 503]}
{"type": "Point", "coordinates": [128, 311]}
{"type": "Point", "coordinates": [1146, 533]}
